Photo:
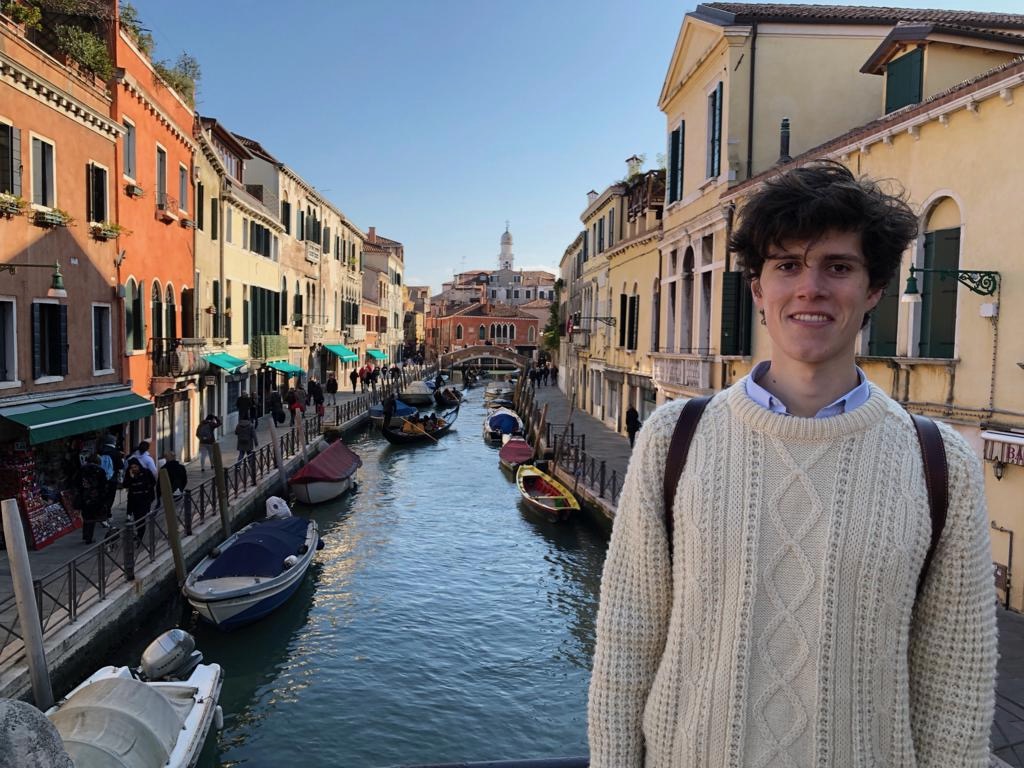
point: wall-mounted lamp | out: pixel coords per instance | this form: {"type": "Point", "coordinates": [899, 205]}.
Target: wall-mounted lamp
{"type": "Point", "coordinates": [982, 282]}
{"type": "Point", "coordinates": [56, 283]}
{"type": "Point", "coordinates": [998, 468]}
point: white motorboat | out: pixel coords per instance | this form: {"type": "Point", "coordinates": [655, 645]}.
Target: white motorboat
{"type": "Point", "coordinates": [159, 714]}
{"type": "Point", "coordinates": [418, 393]}
{"type": "Point", "coordinates": [327, 475]}
{"type": "Point", "coordinates": [499, 422]}
{"type": "Point", "coordinates": [255, 570]}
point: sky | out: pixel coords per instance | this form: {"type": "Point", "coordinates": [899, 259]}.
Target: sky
{"type": "Point", "coordinates": [436, 121]}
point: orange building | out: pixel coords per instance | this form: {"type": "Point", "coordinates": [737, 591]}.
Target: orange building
{"type": "Point", "coordinates": [153, 171]}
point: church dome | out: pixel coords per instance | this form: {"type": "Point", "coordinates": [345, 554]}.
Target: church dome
{"type": "Point", "coordinates": [506, 238]}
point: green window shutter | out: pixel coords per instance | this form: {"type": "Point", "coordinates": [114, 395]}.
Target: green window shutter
{"type": "Point", "coordinates": [938, 297]}
{"type": "Point", "coordinates": [129, 319]}
{"type": "Point", "coordinates": [62, 349]}
{"type": "Point", "coordinates": [884, 321]}
{"type": "Point", "coordinates": [903, 80]}
{"type": "Point", "coordinates": [716, 147]}
{"type": "Point", "coordinates": [737, 308]}
{"type": "Point", "coordinates": [37, 342]}
{"type": "Point", "coordinates": [634, 320]}
{"type": "Point", "coordinates": [623, 318]}
{"type": "Point", "coordinates": [90, 193]}
{"type": "Point", "coordinates": [673, 163]}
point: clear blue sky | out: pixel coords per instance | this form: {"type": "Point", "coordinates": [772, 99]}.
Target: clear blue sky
{"type": "Point", "coordinates": [437, 120]}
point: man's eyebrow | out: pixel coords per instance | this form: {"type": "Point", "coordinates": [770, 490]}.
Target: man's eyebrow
{"type": "Point", "coordinates": [838, 256]}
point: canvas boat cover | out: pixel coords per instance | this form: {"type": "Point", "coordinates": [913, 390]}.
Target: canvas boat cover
{"type": "Point", "coordinates": [401, 409]}
{"type": "Point", "coordinates": [516, 451]}
{"type": "Point", "coordinates": [261, 550]}
{"type": "Point", "coordinates": [336, 463]}
{"type": "Point", "coordinates": [119, 722]}
{"type": "Point", "coordinates": [504, 421]}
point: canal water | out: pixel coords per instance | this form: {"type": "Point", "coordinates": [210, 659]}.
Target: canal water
{"type": "Point", "coordinates": [443, 621]}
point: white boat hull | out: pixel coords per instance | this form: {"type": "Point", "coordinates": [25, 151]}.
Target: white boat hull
{"type": "Point", "coordinates": [319, 492]}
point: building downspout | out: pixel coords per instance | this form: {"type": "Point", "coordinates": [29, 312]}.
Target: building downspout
{"type": "Point", "coordinates": [750, 101]}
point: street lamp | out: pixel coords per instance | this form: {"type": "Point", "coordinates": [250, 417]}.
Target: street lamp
{"type": "Point", "coordinates": [56, 283]}
{"type": "Point", "coordinates": [981, 282]}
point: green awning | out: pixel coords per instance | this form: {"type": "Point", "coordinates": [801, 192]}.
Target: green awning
{"type": "Point", "coordinates": [286, 367]}
{"type": "Point", "coordinates": [377, 354]}
{"type": "Point", "coordinates": [229, 363]}
{"type": "Point", "coordinates": [345, 354]}
{"type": "Point", "coordinates": [46, 422]}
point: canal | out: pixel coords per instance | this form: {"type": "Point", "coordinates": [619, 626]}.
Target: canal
{"type": "Point", "coordinates": [443, 621]}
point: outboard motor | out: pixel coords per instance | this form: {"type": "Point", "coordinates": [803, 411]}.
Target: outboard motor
{"type": "Point", "coordinates": [172, 656]}
{"type": "Point", "coordinates": [277, 507]}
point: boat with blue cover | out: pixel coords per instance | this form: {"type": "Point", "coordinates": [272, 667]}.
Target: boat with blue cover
{"type": "Point", "coordinates": [401, 410]}
{"type": "Point", "coordinates": [501, 421]}
{"type": "Point", "coordinates": [255, 570]}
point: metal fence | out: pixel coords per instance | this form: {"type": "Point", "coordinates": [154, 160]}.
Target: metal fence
{"type": "Point", "coordinates": [65, 592]}
{"type": "Point", "coordinates": [589, 471]}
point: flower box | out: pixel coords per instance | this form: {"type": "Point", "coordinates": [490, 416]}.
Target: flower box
{"type": "Point", "coordinates": [105, 232]}
{"type": "Point", "coordinates": [10, 208]}
{"type": "Point", "coordinates": [50, 219]}
{"type": "Point", "coordinates": [133, 190]}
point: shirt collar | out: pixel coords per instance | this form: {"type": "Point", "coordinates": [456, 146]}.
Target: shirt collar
{"type": "Point", "coordinates": [855, 398]}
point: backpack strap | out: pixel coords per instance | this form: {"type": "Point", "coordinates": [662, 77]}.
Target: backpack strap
{"type": "Point", "coordinates": [678, 449]}
{"type": "Point", "coordinates": [936, 477]}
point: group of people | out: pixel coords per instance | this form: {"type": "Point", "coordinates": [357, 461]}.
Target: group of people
{"type": "Point", "coordinates": [417, 423]}
{"type": "Point", "coordinates": [540, 374]}
{"type": "Point", "coordinates": [105, 470]}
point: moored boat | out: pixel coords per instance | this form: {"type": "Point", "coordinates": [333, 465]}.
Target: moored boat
{"type": "Point", "coordinates": [514, 452]}
{"type": "Point", "coordinates": [409, 431]}
{"type": "Point", "coordinates": [158, 714]}
{"type": "Point", "coordinates": [327, 475]}
{"type": "Point", "coordinates": [254, 571]}
{"type": "Point", "coordinates": [447, 398]}
{"type": "Point", "coordinates": [501, 421]}
{"type": "Point", "coordinates": [545, 494]}
{"type": "Point", "coordinates": [401, 409]}
{"type": "Point", "coordinates": [418, 393]}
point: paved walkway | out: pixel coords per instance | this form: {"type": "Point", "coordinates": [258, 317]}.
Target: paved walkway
{"type": "Point", "coordinates": [1008, 728]}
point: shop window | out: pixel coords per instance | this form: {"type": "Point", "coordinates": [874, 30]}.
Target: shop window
{"type": "Point", "coordinates": [8, 342]}
{"type": "Point", "coordinates": [102, 355]}
{"type": "Point", "coordinates": [49, 340]}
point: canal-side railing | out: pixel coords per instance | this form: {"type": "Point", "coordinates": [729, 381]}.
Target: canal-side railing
{"type": "Point", "coordinates": [550, 762]}
{"type": "Point", "coordinates": [591, 472]}
{"type": "Point", "coordinates": [63, 593]}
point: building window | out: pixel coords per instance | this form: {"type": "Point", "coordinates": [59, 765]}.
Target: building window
{"type": "Point", "coordinates": [494, 293]}
{"type": "Point", "coordinates": [10, 159]}
{"type": "Point", "coordinates": [531, 334]}
{"type": "Point", "coordinates": [600, 235]}
{"type": "Point", "coordinates": [458, 332]}
{"type": "Point", "coordinates": [482, 333]}
{"type": "Point", "coordinates": [8, 341]}
{"type": "Point", "coordinates": [245, 233]}
{"type": "Point", "coordinates": [49, 340]}
{"type": "Point", "coordinates": [676, 144]}
{"type": "Point", "coordinates": [714, 132]}
{"type": "Point", "coordinates": [183, 189]}
{"type": "Point", "coordinates": [214, 210]}
{"type": "Point", "coordinates": [938, 297]}
{"type": "Point", "coordinates": [129, 149]}
{"type": "Point", "coordinates": [161, 178]}
{"type": "Point", "coordinates": [515, 294]}
{"type": "Point", "coordinates": [134, 319]}
{"type": "Point", "coordinates": [228, 224]}
{"type": "Point", "coordinates": [157, 310]}
{"type": "Point", "coordinates": [96, 190]}
{"type": "Point", "coordinates": [200, 206]}
{"type": "Point", "coordinates": [102, 359]}
{"type": "Point", "coordinates": [42, 173]}
{"type": "Point", "coordinates": [286, 216]}
{"type": "Point", "coordinates": [170, 313]}
{"type": "Point", "coordinates": [903, 80]}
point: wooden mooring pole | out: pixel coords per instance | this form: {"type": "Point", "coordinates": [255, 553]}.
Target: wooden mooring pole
{"type": "Point", "coordinates": [171, 516]}
{"type": "Point", "coordinates": [222, 488]}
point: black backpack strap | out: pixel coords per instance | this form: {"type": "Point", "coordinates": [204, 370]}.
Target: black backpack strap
{"type": "Point", "coordinates": [936, 477]}
{"type": "Point", "coordinates": [678, 449]}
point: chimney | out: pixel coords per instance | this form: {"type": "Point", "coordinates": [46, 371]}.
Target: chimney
{"type": "Point", "coordinates": [635, 165]}
{"type": "Point", "coordinates": [784, 142]}
{"type": "Point", "coordinates": [371, 235]}
{"type": "Point", "coordinates": [591, 197]}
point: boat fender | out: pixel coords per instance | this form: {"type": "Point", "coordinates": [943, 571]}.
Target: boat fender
{"type": "Point", "coordinates": [215, 552]}
{"type": "Point", "coordinates": [303, 549]}
{"type": "Point", "coordinates": [290, 561]}
{"type": "Point", "coordinates": [319, 544]}
{"type": "Point", "coordinates": [218, 718]}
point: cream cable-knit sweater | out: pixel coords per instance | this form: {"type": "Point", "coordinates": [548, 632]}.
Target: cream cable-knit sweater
{"type": "Point", "coordinates": [786, 633]}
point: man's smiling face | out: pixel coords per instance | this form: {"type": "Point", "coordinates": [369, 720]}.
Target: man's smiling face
{"type": "Point", "coordinates": [814, 295]}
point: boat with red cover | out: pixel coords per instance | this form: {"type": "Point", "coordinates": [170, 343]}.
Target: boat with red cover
{"type": "Point", "coordinates": [514, 452]}
{"type": "Point", "coordinates": [328, 474]}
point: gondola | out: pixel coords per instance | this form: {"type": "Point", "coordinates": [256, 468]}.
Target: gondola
{"type": "Point", "coordinates": [406, 432]}
{"type": "Point", "coordinates": [545, 494]}
{"type": "Point", "coordinates": [447, 398]}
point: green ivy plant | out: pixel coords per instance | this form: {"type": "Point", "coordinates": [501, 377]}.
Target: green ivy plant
{"type": "Point", "coordinates": [183, 76]}
{"type": "Point", "coordinates": [20, 13]}
{"type": "Point", "coordinates": [85, 48]}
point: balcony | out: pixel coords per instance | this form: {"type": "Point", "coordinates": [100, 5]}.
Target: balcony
{"type": "Point", "coordinates": [355, 333]}
{"type": "Point", "coordinates": [178, 357]}
{"type": "Point", "coordinates": [312, 334]}
{"type": "Point", "coordinates": [166, 206]}
{"type": "Point", "coordinates": [682, 370]}
{"type": "Point", "coordinates": [272, 347]}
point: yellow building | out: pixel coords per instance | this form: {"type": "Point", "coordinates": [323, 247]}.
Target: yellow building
{"type": "Point", "coordinates": [738, 71]}
{"type": "Point", "coordinates": [950, 352]}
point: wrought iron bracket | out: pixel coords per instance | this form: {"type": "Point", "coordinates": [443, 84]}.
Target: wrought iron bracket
{"type": "Point", "coordinates": [982, 282]}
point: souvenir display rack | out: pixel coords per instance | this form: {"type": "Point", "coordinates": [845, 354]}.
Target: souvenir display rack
{"type": "Point", "coordinates": [45, 519]}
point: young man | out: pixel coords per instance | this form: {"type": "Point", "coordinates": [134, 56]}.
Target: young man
{"type": "Point", "coordinates": [784, 627]}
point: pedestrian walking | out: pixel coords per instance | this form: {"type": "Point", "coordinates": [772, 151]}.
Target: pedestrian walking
{"type": "Point", "coordinates": [140, 486]}
{"type": "Point", "coordinates": [91, 495]}
{"type": "Point", "coordinates": [353, 376]}
{"type": "Point", "coordinates": [245, 434]}
{"type": "Point", "coordinates": [632, 424]}
{"type": "Point", "coordinates": [206, 432]}
{"type": "Point", "coordinates": [331, 389]}
{"type": "Point", "coordinates": [176, 473]}
{"type": "Point", "coordinates": [276, 407]}
{"type": "Point", "coordinates": [779, 598]}
{"type": "Point", "coordinates": [243, 404]}
{"type": "Point", "coordinates": [109, 451]}
{"type": "Point", "coordinates": [141, 454]}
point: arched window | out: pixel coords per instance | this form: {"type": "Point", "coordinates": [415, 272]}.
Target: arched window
{"type": "Point", "coordinates": [482, 333]}
{"type": "Point", "coordinates": [458, 332]}
{"type": "Point", "coordinates": [493, 328]}
{"type": "Point", "coordinates": [170, 313]}
{"type": "Point", "coordinates": [512, 332]}
{"type": "Point", "coordinates": [157, 310]}
{"type": "Point", "coordinates": [284, 301]}
{"type": "Point", "coordinates": [129, 314]}
{"type": "Point", "coordinates": [531, 335]}
{"type": "Point", "coordinates": [297, 308]}
{"type": "Point", "coordinates": [634, 318]}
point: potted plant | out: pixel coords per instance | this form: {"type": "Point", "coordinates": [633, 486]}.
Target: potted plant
{"type": "Point", "coordinates": [107, 230]}
{"type": "Point", "coordinates": [54, 217]}
{"type": "Point", "coordinates": [211, 310]}
{"type": "Point", "coordinates": [11, 204]}
{"type": "Point", "coordinates": [26, 15]}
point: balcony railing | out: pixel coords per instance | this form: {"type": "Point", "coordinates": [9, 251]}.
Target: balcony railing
{"type": "Point", "coordinates": [355, 332]}
{"type": "Point", "coordinates": [692, 371]}
{"type": "Point", "coordinates": [166, 206]}
{"type": "Point", "coordinates": [178, 357]}
{"type": "Point", "coordinates": [269, 347]}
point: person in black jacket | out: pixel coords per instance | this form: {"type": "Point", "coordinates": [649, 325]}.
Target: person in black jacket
{"type": "Point", "coordinates": [331, 388]}
{"type": "Point", "coordinates": [109, 448]}
{"type": "Point", "coordinates": [632, 424]}
{"type": "Point", "coordinates": [176, 472]}
{"type": "Point", "coordinates": [141, 487]}
{"type": "Point", "coordinates": [92, 495]}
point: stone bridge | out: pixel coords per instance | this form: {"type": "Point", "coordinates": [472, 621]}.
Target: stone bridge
{"type": "Point", "coordinates": [481, 351]}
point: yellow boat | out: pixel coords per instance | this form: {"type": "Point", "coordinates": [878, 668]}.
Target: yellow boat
{"type": "Point", "coordinates": [545, 494]}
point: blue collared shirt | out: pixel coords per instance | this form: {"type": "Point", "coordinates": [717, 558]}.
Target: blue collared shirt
{"type": "Point", "coordinates": [855, 398]}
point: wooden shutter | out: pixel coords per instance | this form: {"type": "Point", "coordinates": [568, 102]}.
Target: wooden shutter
{"type": "Point", "coordinates": [90, 191]}
{"type": "Point", "coordinates": [737, 308]}
{"type": "Point", "coordinates": [884, 321]}
{"type": "Point", "coordinates": [38, 172]}
{"type": "Point", "coordinates": [938, 297]}
{"type": "Point", "coordinates": [37, 342]}
{"type": "Point", "coordinates": [200, 206]}
{"type": "Point", "coordinates": [214, 211]}
{"type": "Point", "coordinates": [611, 227]}
{"type": "Point", "coordinates": [623, 318]}
{"type": "Point", "coordinates": [634, 320]}
{"type": "Point", "coordinates": [903, 77]}
{"type": "Point", "coordinates": [716, 140]}
{"type": "Point", "coordinates": [62, 348]}
{"type": "Point", "coordinates": [680, 164]}
{"type": "Point", "coordinates": [673, 164]}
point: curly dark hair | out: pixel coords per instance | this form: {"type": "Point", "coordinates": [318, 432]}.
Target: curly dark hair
{"type": "Point", "coordinates": [823, 196]}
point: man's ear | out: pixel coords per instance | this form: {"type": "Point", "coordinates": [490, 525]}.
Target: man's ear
{"type": "Point", "coordinates": [755, 290]}
{"type": "Point", "coordinates": [874, 296]}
